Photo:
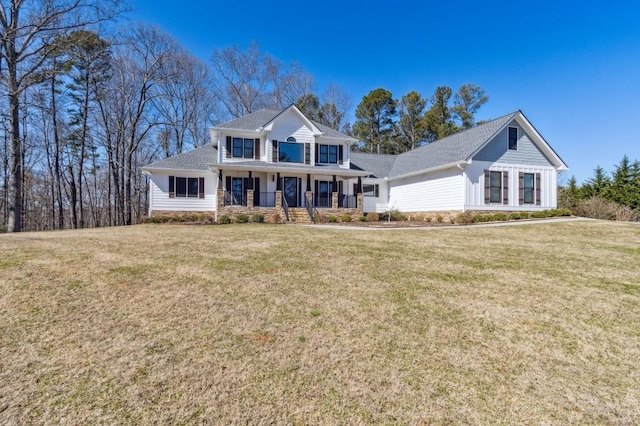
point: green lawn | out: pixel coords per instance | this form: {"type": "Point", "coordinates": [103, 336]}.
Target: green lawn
{"type": "Point", "coordinates": [283, 324]}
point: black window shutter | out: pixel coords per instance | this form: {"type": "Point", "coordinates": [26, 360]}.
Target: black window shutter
{"type": "Point", "coordinates": [340, 187]}
{"type": "Point", "coordinates": [307, 153]}
{"type": "Point", "coordinates": [274, 151]}
{"type": "Point", "coordinates": [521, 188]}
{"type": "Point", "coordinates": [228, 187]}
{"type": "Point", "coordinates": [505, 187]}
{"type": "Point", "coordinates": [228, 146]}
{"type": "Point", "coordinates": [201, 187]}
{"type": "Point", "coordinates": [487, 187]}
{"type": "Point", "coordinates": [340, 154]}
{"type": "Point", "coordinates": [376, 191]}
{"type": "Point", "coordinates": [256, 149]}
{"type": "Point", "coordinates": [316, 193]}
{"type": "Point", "coordinates": [172, 186]}
{"type": "Point", "coordinates": [355, 188]}
{"type": "Point", "coordinates": [317, 153]}
{"type": "Point", "coordinates": [538, 200]}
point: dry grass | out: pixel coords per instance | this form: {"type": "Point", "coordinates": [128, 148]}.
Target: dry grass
{"type": "Point", "coordinates": [280, 324]}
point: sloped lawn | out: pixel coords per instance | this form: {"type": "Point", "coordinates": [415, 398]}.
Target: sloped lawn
{"type": "Point", "coordinates": [280, 324]}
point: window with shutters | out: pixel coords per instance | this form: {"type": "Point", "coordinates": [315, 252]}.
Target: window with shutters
{"type": "Point", "coordinates": [291, 151]}
{"type": "Point", "coordinates": [186, 187]}
{"type": "Point", "coordinates": [370, 190]}
{"type": "Point", "coordinates": [242, 148]}
{"type": "Point", "coordinates": [328, 154]}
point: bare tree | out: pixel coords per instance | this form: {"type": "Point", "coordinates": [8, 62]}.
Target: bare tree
{"type": "Point", "coordinates": [27, 27]}
{"type": "Point", "coordinates": [246, 81]}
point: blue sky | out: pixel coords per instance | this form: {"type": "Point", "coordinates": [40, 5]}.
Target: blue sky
{"type": "Point", "coordinates": [572, 67]}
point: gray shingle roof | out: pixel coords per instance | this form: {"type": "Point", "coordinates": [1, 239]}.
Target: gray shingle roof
{"type": "Point", "coordinates": [379, 165]}
{"type": "Point", "coordinates": [198, 159]}
{"type": "Point", "coordinates": [260, 118]}
{"type": "Point", "coordinates": [454, 148]}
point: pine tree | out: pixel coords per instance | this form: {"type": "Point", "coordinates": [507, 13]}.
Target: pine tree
{"type": "Point", "coordinates": [375, 121]}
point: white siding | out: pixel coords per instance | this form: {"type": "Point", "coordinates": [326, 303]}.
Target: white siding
{"type": "Point", "coordinates": [474, 184]}
{"type": "Point", "coordinates": [377, 204]}
{"type": "Point", "coordinates": [159, 187]}
{"type": "Point", "coordinates": [429, 192]}
{"type": "Point", "coordinates": [290, 125]}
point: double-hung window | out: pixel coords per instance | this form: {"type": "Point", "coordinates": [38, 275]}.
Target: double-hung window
{"type": "Point", "coordinates": [528, 188]}
{"type": "Point", "coordinates": [495, 187]}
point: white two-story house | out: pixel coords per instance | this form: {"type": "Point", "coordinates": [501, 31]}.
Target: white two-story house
{"type": "Point", "coordinates": [286, 166]}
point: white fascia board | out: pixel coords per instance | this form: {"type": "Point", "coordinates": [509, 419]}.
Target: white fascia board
{"type": "Point", "coordinates": [431, 170]}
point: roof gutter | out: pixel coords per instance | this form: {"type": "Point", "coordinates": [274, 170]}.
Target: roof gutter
{"type": "Point", "coordinates": [271, 169]}
{"type": "Point", "coordinates": [458, 164]}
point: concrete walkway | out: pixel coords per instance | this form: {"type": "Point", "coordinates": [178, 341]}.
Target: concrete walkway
{"type": "Point", "coordinates": [440, 227]}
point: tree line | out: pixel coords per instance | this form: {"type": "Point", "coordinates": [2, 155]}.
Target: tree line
{"type": "Point", "coordinates": [605, 195]}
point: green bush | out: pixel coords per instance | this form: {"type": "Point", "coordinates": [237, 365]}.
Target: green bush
{"type": "Point", "coordinates": [346, 218]}
{"type": "Point", "coordinates": [241, 218]}
{"type": "Point", "coordinates": [499, 217]}
{"type": "Point", "coordinates": [439, 218]}
{"type": "Point", "coordinates": [332, 219]}
{"type": "Point", "coordinates": [373, 217]}
{"type": "Point", "coordinates": [224, 220]}
{"type": "Point", "coordinates": [464, 218]}
{"type": "Point", "coordinates": [393, 215]}
{"type": "Point", "coordinates": [257, 218]}
{"type": "Point", "coordinates": [362, 218]}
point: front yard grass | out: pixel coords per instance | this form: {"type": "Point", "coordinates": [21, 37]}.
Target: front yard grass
{"type": "Point", "coordinates": [279, 324]}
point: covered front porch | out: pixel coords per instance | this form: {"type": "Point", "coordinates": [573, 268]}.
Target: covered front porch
{"type": "Point", "coordinates": [292, 193]}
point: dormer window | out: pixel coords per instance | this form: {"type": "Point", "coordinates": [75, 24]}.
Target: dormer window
{"type": "Point", "coordinates": [329, 154]}
{"type": "Point", "coordinates": [241, 147]}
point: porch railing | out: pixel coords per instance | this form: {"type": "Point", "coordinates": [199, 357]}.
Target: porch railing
{"type": "Point", "coordinates": [347, 201]}
{"type": "Point", "coordinates": [323, 201]}
{"type": "Point", "coordinates": [231, 199]}
{"type": "Point", "coordinates": [308, 203]}
{"type": "Point", "coordinates": [265, 199]}
{"type": "Point", "coordinates": [285, 207]}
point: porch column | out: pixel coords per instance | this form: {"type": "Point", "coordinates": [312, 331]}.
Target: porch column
{"type": "Point", "coordinates": [250, 185]}
{"type": "Point", "coordinates": [359, 190]}
{"type": "Point", "coordinates": [220, 179]}
{"type": "Point", "coordinates": [334, 193]}
{"type": "Point", "coordinates": [278, 183]}
{"type": "Point", "coordinates": [308, 182]}
{"type": "Point", "coordinates": [250, 198]}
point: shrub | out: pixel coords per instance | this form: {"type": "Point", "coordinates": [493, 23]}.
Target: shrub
{"type": "Point", "coordinates": [464, 218]}
{"type": "Point", "coordinates": [257, 218]}
{"type": "Point", "coordinates": [373, 217]}
{"type": "Point", "coordinates": [241, 218]}
{"type": "Point", "coordinates": [397, 216]}
{"type": "Point", "coordinates": [597, 208]}
{"type": "Point", "coordinates": [428, 218]}
{"type": "Point", "coordinates": [362, 218]}
{"type": "Point", "coordinates": [346, 218]}
{"type": "Point", "coordinates": [500, 216]}
{"type": "Point", "coordinates": [518, 215]}
{"type": "Point", "coordinates": [439, 218]}
{"type": "Point", "coordinates": [332, 219]}
{"type": "Point", "coordinates": [224, 220]}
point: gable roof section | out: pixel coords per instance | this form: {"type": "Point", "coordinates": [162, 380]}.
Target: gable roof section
{"type": "Point", "coordinates": [198, 159]}
{"type": "Point", "coordinates": [379, 165]}
{"type": "Point", "coordinates": [453, 149]}
{"type": "Point", "coordinates": [262, 118]}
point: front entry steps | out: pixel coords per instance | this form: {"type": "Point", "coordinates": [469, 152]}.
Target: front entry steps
{"type": "Point", "coordinates": [298, 215]}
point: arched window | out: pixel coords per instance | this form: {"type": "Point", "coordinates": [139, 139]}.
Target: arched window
{"type": "Point", "coordinates": [291, 139]}
{"type": "Point", "coordinates": [290, 151]}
